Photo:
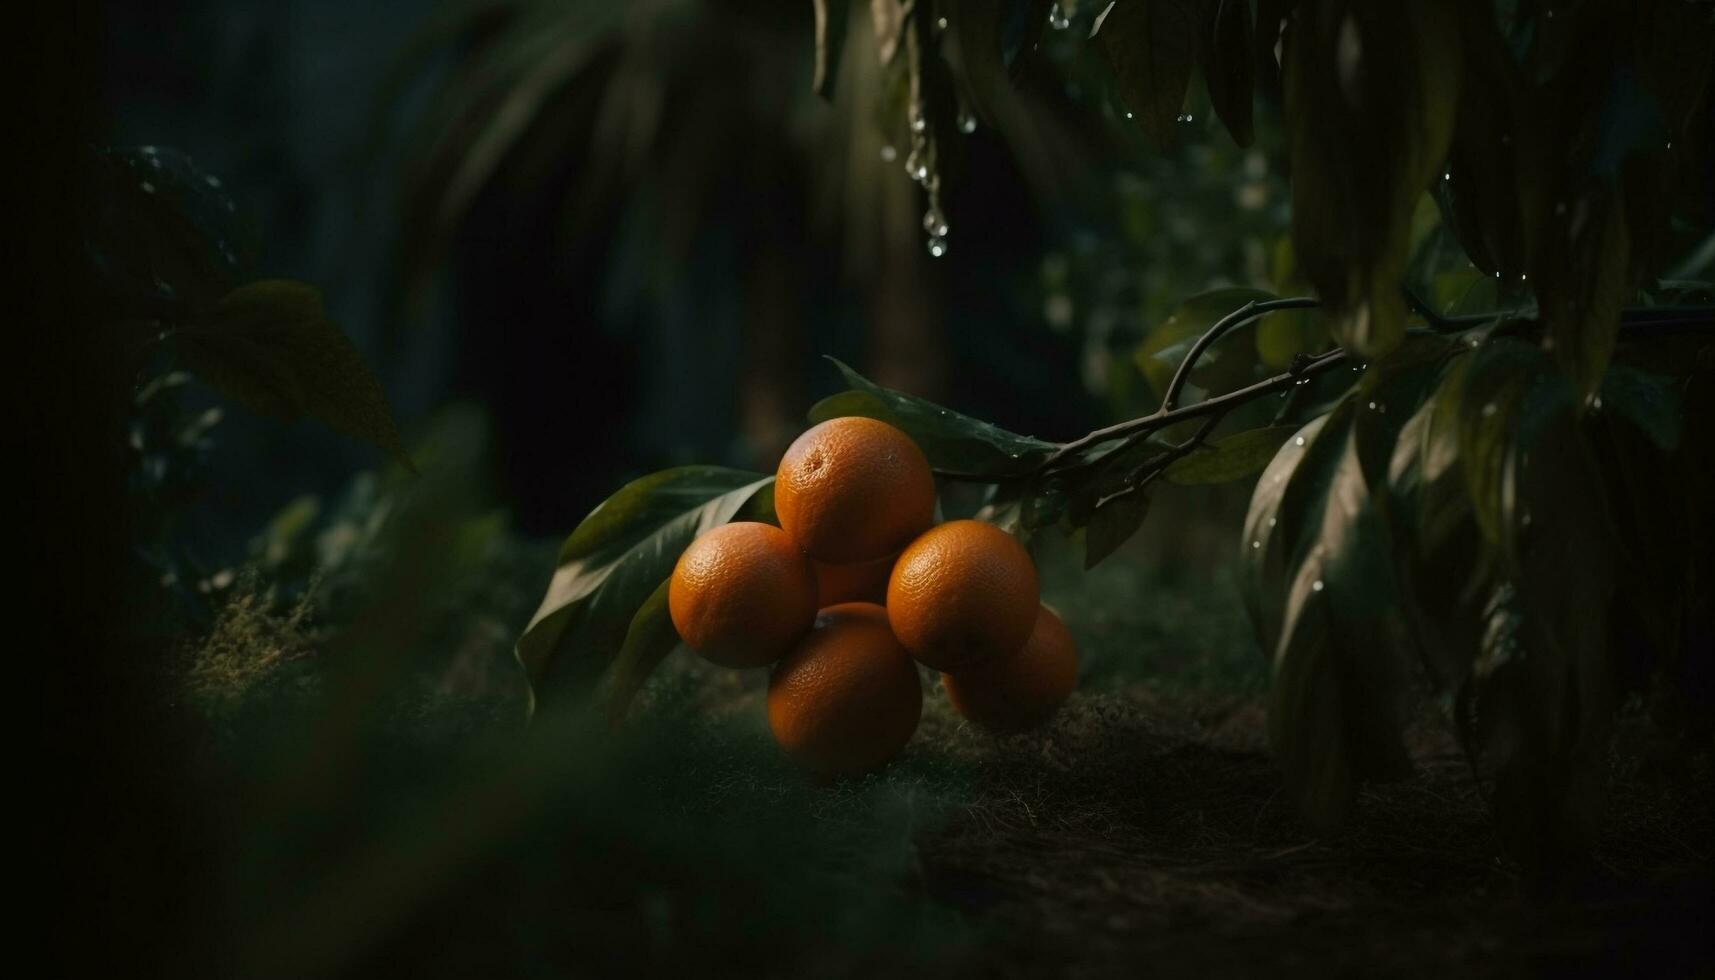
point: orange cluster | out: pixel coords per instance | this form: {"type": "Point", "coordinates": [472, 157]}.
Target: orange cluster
{"type": "Point", "coordinates": [854, 588]}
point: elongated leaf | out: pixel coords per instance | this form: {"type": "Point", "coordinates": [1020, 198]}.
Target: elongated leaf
{"type": "Point", "coordinates": [1150, 46]}
{"type": "Point", "coordinates": [954, 443]}
{"type": "Point", "coordinates": [1160, 353]}
{"type": "Point", "coordinates": [648, 641]}
{"type": "Point", "coordinates": [1228, 64]}
{"type": "Point", "coordinates": [270, 346]}
{"type": "Point", "coordinates": [888, 18]}
{"type": "Point", "coordinates": [832, 18]}
{"type": "Point", "coordinates": [1112, 524]}
{"type": "Point", "coordinates": [1648, 401]}
{"type": "Point", "coordinates": [1230, 458]}
{"type": "Point", "coordinates": [1584, 283]}
{"type": "Point", "coordinates": [1370, 89]}
{"type": "Point", "coordinates": [616, 558]}
{"type": "Point", "coordinates": [1490, 209]}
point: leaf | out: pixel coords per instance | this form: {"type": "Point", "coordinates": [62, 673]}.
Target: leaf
{"type": "Point", "coordinates": [270, 346]}
{"type": "Point", "coordinates": [1113, 523]}
{"type": "Point", "coordinates": [1648, 401]}
{"type": "Point", "coordinates": [1484, 199]}
{"type": "Point", "coordinates": [832, 18]}
{"type": "Point", "coordinates": [955, 444]}
{"type": "Point", "coordinates": [1150, 46]}
{"type": "Point", "coordinates": [1370, 90]}
{"type": "Point", "coordinates": [648, 641]}
{"type": "Point", "coordinates": [1230, 458]}
{"type": "Point", "coordinates": [888, 18]}
{"type": "Point", "coordinates": [1584, 281]}
{"type": "Point", "coordinates": [1160, 353]}
{"type": "Point", "coordinates": [1228, 63]}
{"type": "Point", "coordinates": [976, 27]}
{"type": "Point", "coordinates": [616, 558]}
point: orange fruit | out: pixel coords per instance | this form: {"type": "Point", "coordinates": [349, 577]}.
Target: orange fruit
{"type": "Point", "coordinates": [963, 594]}
{"type": "Point", "coordinates": [853, 489]}
{"type": "Point", "coordinates": [1024, 690]}
{"type": "Point", "coordinates": [847, 698]}
{"type": "Point", "coordinates": [864, 581]}
{"type": "Point", "coordinates": [742, 594]}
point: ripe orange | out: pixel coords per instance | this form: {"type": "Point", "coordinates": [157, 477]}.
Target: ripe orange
{"type": "Point", "coordinates": [853, 489]}
{"type": "Point", "coordinates": [847, 698]}
{"type": "Point", "coordinates": [864, 581]}
{"type": "Point", "coordinates": [742, 594]}
{"type": "Point", "coordinates": [1025, 690]}
{"type": "Point", "coordinates": [963, 594]}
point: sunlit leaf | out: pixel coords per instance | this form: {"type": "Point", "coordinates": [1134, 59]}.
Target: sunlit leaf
{"type": "Point", "coordinates": [271, 346]}
{"type": "Point", "coordinates": [616, 558]}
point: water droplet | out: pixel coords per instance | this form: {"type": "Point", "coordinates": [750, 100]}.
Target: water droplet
{"type": "Point", "coordinates": [1058, 19]}
{"type": "Point", "coordinates": [148, 188]}
{"type": "Point", "coordinates": [941, 23]}
{"type": "Point", "coordinates": [919, 124]}
{"type": "Point", "coordinates": [1522, 277]}
{"type": "Point", "coordinates": [211, 180]}
{"type": "Point", "coordinates": [889, 154]}
{"type": "Point", "coordinates": [967, 123]}
{"type": "Point", "coordinates": [1316, 586]}
{"type": "Point", "coordinates": [1184, 117]}
{"type": "Point", "coordinates": [1497, 275]}
{"type": "Point", "coordinates": [1128, 114]}
{"type": "Point", "coordinates": [1447, 176]}
{"type": "Point", "coordinates": [1372, 406]}
{"type": "Point", "coordinates": [1256, 544]}
{"type": "Point", "coordinates": [935, 223]}
{"type": "Point", "coordinates": [1298, 440]}
{"type": "Point", "coordinates": [937, 246]}
{"type": "Point", "coordinates": [1490, 409]}
{"type": "Point", "coordinates": [1596, 403]}
{"type": "Point", "coordinates": [1272, 521]}
{"type": "Point", "coordinates": [1670, 144]}
{"type": "Point", "coordinates": [1475, 342]}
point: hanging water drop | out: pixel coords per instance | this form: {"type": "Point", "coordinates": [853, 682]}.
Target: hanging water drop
{"type": "Point", "coordinates": [889, 154]}
{"type": "Point", "coordinates": [935, 223]}
{"type": "Point", "coordinates": [919, 124]}
{"type": "Point", "coordinates": [1057, 18]}
{"type": "Point", "coordinates": [937, 246]}
{"type": "Point", "coordinates": [1128, 114]}
{"type": "Point", "coordinates": [941, 23]}
{"type": "Point", "coordinates": [1316, 586]}
{"type": "Point", "coordinates": [967, 123]}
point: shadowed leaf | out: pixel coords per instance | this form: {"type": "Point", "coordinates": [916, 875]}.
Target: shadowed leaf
{"type": "Point", "coordinates": [270, 346]}
{"type": "Point", "coordinates": [1229, 63]}
{"type": "Point", "coordinates": [1230, 458]}
{"type": "Point", "coordinates": [1150, 46]}
{"type": "Point", "coordinates": [1112, 524]}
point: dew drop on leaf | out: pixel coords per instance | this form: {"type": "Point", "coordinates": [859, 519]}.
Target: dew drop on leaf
{"type": "Point", "coordinates": [938, 248]}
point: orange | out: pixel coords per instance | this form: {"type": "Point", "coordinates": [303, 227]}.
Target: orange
{"type": "Point", "coordinates": [1026, 689]}
{"type": "Point", "coordinates": [864, 581]}
{"type": "Point", "coordinates": [853, 489]}
{"type": "Point", "coordinates": [963, 594]}
{"type": "Point", "coordinates": [847, 698]}
{"type": "Point", "coordinates": [742, 594]}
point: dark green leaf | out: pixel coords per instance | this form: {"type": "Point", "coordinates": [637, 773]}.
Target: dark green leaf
{"type": "Point", "coordinates": [1150, 46]}
{"type": "Point", "coordinates": [1228, 63]}
{"type": "Point", "coordinates": [1113, 523]}
{"type": "Point", "coordinates": [648, 641]}
{"type": "Point", "coordinates": [954, 443]}
{"type": "Point", "coordinates": [270, 346]}
{"type": "Point", "coordinates": [1285, 334]}
{"type": "Point", "coordinates": [1370, 91]}
{"type": "Point", "coordinates": [832, 18]}
{"type": "Point", "coordinates": [1648, 401]}
{"type": "Point", "coordinates": [616, 558]}
{"type": "Point", "coordinates": [1483, 198]}
{"type": "Point", "coordinates": [1160, 353]}
{"type": "Point", "coordinates": [1230, 458]}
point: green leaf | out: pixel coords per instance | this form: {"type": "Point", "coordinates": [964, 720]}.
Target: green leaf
{"type": "Point", "coordinates": [1369, 92]}
{"type": "Point", "coordinates": [1228, 64]}
{"type": "Point", "coordinates": [1150, 46]}
{"type": "Point", "coordinates": [955, 444]}
{"type": "Point", "coordinates": [1648, 401]}
{"type": "Point", "coordinates": [270, 346]}
{"type": "Point", "coordinates": [616, 558]}
{"type": "Point", "coordinates": [832, 18]}
{"type": "Point", "coordinates": [1160, 353]}
{"type": "Point", "coordinates": [1488, 207]}
{"type": "Point", "coordinates": [648, 641]}
{"type": "Point", "coordinates": [1230, 458]}
{"type": "Point", "coordinates": [1285, 334]}
{"type": "Point", "coordinates": [1583, 285]}
{"type": "Point", "coordinates": [1112, 524]}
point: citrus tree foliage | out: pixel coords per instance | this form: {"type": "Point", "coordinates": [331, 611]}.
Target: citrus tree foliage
{"type": "Point", "coordinates": [1510, 506]}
